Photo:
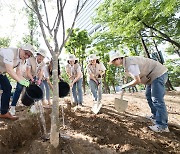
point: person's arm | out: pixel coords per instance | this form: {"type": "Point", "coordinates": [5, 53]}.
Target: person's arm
{"type": "Point", "coordinates": [136, 80]}
{"type": "Point", "coordinates": [92, 77]}
{"type": "Point", "coordinates": [49, 83]}
{"type": "Point", "coordinates": [19, 73]}
{"type": "Point", "coordinates": [28, 70]}
{"type": "Point", "coordinates": [40, 74]}
{"type": "Point", "coordinates": [12, 73]}
{"type": "Point", "coordinates": [77, 78]}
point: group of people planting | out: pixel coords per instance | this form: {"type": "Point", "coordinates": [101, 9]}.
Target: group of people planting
{"type": "Point", "coordinates": [25, 66]}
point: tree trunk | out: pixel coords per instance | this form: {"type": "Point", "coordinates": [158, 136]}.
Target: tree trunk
{"type": "Point", "coordinates": [54, 133]}
{"type": "Point", "coordinates": [144, 46]}
{"type": "Point", "coordinates": [168, 83]}
{"type": "Point", "coordinates": [84, 82]}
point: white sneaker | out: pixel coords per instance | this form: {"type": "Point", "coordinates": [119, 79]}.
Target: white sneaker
{"type": "Point", "coordinates": [157, 128]}
{"type": "Point", "coordinates": [12, 110]}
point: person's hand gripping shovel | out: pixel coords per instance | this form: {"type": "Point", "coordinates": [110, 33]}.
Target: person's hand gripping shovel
{"type": "Point", "coordinates": [97, 104]}
{"type": "Point", "coordinates": [120, 104]}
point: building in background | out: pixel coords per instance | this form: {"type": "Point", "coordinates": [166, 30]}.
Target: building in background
{"type": "Point", "coordinates": [84, 19]}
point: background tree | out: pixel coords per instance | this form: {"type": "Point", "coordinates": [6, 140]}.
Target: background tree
{"type": "Point", "coordinates": [51, 34]}
{"type": "Point", "coordinates": [4, 42]}
{"type": "Point", "coordinates": [33, 35]}
{"type": "Point", "coordinates": [138, 25]}
{"type": "Point", "coordinates": [131, 18]}
{"type": "Point", "coordinates": [77, 44]}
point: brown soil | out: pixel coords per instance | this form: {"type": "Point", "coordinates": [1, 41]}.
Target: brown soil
{"type": "Point", "coordinates": [108, 132]}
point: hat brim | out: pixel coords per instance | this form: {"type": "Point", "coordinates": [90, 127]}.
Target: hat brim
{"type": "Point", "coordinates": [110, 62]}
{"type": "Point", "coordinates": [94, 58]}
{"type": "Point", "coordinates": [72, 59]}
{"type": "Point", "coordinates": [41, 54]}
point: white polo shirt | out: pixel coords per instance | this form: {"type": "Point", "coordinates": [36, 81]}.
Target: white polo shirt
{"type": "Point", "coordinates": [10, 57]}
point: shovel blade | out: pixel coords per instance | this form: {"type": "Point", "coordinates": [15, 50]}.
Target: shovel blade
{"type": "Point", "coordinates": [120, 105]}
{"type": "Point", "coordinates": [96, 108]}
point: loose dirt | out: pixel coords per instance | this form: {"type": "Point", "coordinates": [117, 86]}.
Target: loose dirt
{"type": "Point", "coordinates": [108, 132]}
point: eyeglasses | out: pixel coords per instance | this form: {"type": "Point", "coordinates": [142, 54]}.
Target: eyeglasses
{"type": "Point", "coordinates": [28, 54]}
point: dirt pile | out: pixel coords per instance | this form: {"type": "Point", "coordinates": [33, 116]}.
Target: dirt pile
{"type": "Point", "coordinates": [109, 132]}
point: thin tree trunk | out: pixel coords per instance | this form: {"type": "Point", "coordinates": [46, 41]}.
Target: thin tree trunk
{"type": "Point", "coordinates": [168, 83]}
{"type": "Point", "coordinates": [84, 82]}
{"type": "Point", "coordinates": [54, 132]}
{"type": "Point", "coordinates": [144, 46]}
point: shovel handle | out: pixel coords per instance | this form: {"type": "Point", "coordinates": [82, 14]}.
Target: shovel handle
{"type": "Point", "coordinates": [122, 93]}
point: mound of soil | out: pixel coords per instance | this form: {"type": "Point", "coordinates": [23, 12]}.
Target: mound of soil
{"type": "Point", "coordinates": [108, 132]}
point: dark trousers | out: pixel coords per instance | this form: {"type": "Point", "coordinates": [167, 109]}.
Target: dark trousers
{"type": "Point", "coordinates": [5, 97]}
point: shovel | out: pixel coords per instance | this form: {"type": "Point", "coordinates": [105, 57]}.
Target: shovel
{"type": "Point", "coordinates": [120, 104]}
{"type": "Point", "coordinates": [97, 105]}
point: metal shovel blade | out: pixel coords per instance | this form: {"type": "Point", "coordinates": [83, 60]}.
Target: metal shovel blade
{"type": "Point", "coordinates": [120, 104]}
{"type": "Point", "coordinates": [96, 108]}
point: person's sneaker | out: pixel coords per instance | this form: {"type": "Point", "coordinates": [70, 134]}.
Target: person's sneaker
{"type": "Point", "coordinates": [12, 110]}
{"type": "Point", "coordinates": [157, 128]}
{"type": "Point", "coordinates": [152, 118]}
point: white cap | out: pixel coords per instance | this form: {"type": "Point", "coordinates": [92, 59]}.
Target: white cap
{"type": "Point", "coordinates": [92, 57]}
{"type": "Point", "coordinates": [114, 55]}
{"type": "Point", "coordinates": [72, 57]}
{"type": "Point", "coordinates": [28, 47]}
{"type": "Point", "coordinates": [42, 52]}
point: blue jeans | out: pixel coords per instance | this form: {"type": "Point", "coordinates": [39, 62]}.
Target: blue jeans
{"type": "Point", "coordinates": [17, 93]}
{"type": "Point", "coordinates": [155, 96]}
{"type": "Point", "coordinates": [94, 90]}
{"type": "Point", "coordinates": [46, 90]}
{"type": "Point", "coordinates": [78, 97]}
{"type": "Point", "coordinates": [5, 97]}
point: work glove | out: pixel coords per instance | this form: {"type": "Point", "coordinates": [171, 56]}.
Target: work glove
{"type": "Point", "coordinates": [25, 83]}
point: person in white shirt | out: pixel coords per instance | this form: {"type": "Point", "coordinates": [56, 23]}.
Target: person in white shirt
{"type": "Point", "coordinates": [95, 70]}
{"type": "Point", "coordinates": [10, 58]}
{"type": "Point", "coordinates": [152, 74]}
{"type": "Point", "coordinates": [35, 70]}
{"type": "Point", "coordinates": [47, 84]}
{"type": "Point", "coordinates": [73, 70]}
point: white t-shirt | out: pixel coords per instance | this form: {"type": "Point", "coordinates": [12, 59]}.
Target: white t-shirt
{"type": "Point", "coordinates": [134, 70]}
{"type": "Point", "coordinates": [8, 55]}
{"type": "Point", "coordinates": [45, 72]}
{"type": "Point", "coordinates": [22, 67]}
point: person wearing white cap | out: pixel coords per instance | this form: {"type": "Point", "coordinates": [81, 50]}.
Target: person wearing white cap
{"type": "Point", "coordinates": [73, 70]}
{"type": "Point", "coordinates": [154, 75]}
{"type": "Point", "coordinates": [35, 70]}
{"type": "Point", "coordinates": [95, 70]}
{"type": "Point", "coordinates": [11, 58]}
